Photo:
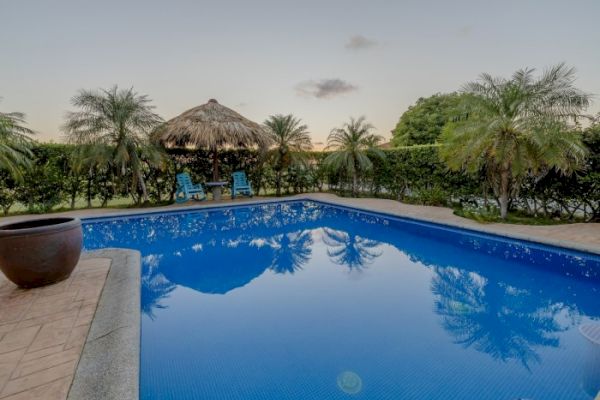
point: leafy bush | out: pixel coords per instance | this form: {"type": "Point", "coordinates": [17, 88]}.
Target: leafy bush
{"type": "Point", "coordinates": [8, 192]}
{"type": "Point", "coordinates": [432, 196]}
{"type": "Point", "coordinates": [43, 183]}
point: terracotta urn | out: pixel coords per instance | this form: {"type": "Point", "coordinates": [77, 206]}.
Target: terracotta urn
{"type": "Point", "coordinates": [41, 251]}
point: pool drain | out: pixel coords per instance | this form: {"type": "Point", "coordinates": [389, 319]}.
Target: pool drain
{"type": "Point", "coordinates": [349, 382]}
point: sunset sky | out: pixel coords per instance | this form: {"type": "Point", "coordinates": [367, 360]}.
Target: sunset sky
{"type": "Point", "coordinates": [323, 61]}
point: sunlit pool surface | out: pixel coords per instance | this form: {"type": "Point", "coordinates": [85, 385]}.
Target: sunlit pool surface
{"type": "Point", "coordinates": [301, 300]}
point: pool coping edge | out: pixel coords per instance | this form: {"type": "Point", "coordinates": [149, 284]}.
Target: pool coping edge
{"type": "Point", "coordinates": [481, 229]}
{"type": "Point", "coordinates": [109, 364]}
{"type": "Point", "coordinates": [342, 202]}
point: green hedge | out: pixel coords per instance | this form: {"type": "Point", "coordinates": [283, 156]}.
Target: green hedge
{"type": "Point", "coordinates": [411, 174]}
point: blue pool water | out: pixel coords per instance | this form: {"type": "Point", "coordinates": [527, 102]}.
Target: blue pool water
{"type": "Point", "coordinates": [301, 300]}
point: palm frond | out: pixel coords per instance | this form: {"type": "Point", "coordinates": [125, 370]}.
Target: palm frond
{"type": "Point", "coordinates": [15, 144]}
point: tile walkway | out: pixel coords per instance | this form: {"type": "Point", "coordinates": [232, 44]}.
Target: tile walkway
{"type": "Point", "coordinates": [43, 330]}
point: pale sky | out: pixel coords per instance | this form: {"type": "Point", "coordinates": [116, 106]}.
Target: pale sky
{"type": "Point", "coordinates": [323, 61]}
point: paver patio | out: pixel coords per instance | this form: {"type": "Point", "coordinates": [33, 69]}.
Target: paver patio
{"type": "Point", "coordinates": [43, 330]}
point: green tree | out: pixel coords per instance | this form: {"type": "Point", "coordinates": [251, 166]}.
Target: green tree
{"type": "Point", "coordinates": [291, 139]}
{"type": "Point", "coordinates": [423, 122]}
{"type": "Point", "coordinates": [15, 144]}
{"type": "Point", "coordinates": [352, 144]}
{"type": "Point", "coordinates": [516, 127]}
{"type": "Point", "coordinates": [123, 120]}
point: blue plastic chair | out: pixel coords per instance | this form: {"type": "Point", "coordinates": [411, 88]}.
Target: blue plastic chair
{"type": "Point", "coordinates": [241, 185]}
{"type": "Point", "coordinates": [186, 190]}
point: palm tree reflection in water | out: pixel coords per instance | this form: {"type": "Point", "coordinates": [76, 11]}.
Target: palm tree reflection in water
{"type": "Point", "coordinates": [291, 251]}
{"type": "Point", "coordinates": [353, 251]}
{"type": "Point", "coordinates": [495, 318]}
{"type": "Point", "coordinates": [155, 286]}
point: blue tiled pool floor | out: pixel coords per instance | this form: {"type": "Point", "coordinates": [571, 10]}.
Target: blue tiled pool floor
{"type": "Point", "coordinates": [302, 300]}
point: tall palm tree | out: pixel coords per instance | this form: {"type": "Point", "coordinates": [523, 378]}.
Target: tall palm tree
{"type": "Point", "coordinates": [291, 139]}
{"type": "Point", "coordinates": [15, 144]}
{"type": "Point", "coordinates": [352, 145]}
{"type": "Point", "coordinates": [93, 160]}
{"type": "Point", "coordinates": [517, 126]}
{"type": "Point", "coordinates": [121, 119]}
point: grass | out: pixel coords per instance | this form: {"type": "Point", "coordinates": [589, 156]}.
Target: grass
{"type": "Point", "coordinates": [512, 218]}
{"type": "Point", "coordinates": [81, 204]}
{"type": "Point", "coordinates": [479, 215]}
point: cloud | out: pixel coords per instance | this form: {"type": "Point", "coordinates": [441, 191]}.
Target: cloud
{"type": "Point", "coordinates": [325, 88]}
{"type": "Point", "coordinates": [360, 42]}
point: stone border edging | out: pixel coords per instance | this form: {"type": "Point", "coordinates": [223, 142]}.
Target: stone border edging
{"type": "Point", "coordinates": [109, 364]}
{"type": "Point", "coordinates": [475, 228]}
{"type": "Point", "coordinates": [339, 201]}
{"type": "Point", "coordinates": [334, 200]}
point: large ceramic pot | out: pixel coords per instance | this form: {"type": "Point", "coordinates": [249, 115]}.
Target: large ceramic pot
{"type": "Point", "coordinates": [39, 252]}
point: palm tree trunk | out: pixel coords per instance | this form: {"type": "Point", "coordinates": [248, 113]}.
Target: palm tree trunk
{"type": "Point", "coordinates": [143, 187]}
{"type": "Point", "coordinates": [504, 191]}
{"type": "Point", "coordinates": [354, 183]}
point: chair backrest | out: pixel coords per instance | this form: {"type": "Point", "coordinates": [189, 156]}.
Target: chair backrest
{"type": "Point", "coordinates": [184, 180]}
{"type": "Point", "coordinates": [240, 179]}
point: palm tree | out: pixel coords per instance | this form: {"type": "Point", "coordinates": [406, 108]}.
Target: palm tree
{"type": "Point", "coordinates": [517, 126]}
{"type": "Point", "coordinates": [352, 145]}
{"type": "Point", "coordinates": [15, 144]}
{"type": "Point", "coordinates": [94, 160]}
{"type": "Point", "coordinates": [121, 119]}
{"type": "Point", "coordinates": [291, 139]}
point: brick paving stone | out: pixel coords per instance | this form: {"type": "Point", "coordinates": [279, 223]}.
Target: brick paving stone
{"type": "Point", "coordinates": [43, 331]}
{"type": "Point", "coordinates": [57, 389]}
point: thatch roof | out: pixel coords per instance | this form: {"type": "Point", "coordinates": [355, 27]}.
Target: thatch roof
{"type": "Point", "coordinates": [212, 126]}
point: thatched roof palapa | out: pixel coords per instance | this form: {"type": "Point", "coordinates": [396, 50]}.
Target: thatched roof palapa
{"type": "Point", "coordinates": [212, 126]}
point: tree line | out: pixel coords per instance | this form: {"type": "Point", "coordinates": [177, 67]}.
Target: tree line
{"type": "Point", "coordinates": [514, 142]}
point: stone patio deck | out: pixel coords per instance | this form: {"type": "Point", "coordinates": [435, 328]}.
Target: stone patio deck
{"type": "Point", "coordinates": [43, 331]}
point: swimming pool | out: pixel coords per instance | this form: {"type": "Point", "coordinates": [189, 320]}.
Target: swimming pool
{"type": "Point", "coordinates": [303, 300]}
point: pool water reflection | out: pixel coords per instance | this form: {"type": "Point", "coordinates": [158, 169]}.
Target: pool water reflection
{"type": "Point", "coordinates": [301, 300]}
